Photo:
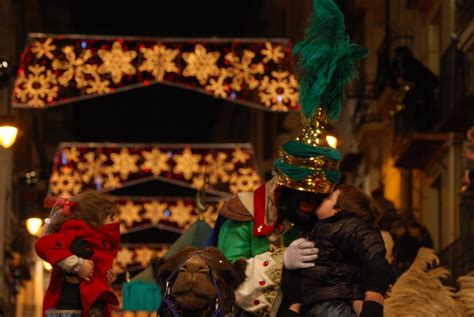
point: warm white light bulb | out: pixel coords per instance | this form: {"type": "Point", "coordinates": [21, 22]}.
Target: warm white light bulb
{"type": "Point", "coordinates": [7, 136]}
{"type": "Point", "coordinates": [33, 225]}
{"type": "Point", "coordinates": [332, 141]}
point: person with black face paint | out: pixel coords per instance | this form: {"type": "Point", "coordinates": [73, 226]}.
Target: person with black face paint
{"type": "Point", "coordinates": [267, 227]}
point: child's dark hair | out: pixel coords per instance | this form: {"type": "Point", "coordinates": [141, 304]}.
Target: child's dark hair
{"type": "Point", "coordinates": [91, 207]}
{"type": "Point", "coordinates": [356, 203]}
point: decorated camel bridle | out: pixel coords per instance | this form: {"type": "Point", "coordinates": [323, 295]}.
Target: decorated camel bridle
{"type": "Point", "coordinates": [217, 310]}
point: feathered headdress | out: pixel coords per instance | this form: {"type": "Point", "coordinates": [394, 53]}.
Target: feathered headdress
{"type": "Point", "coordinates": [328, 63]}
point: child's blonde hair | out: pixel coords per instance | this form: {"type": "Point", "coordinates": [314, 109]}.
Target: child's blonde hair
{"type": "Point", "coordinates": [90, 206]}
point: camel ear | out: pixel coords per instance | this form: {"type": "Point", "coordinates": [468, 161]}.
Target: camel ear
{"type": "Point", "coordinates": [239, 266]}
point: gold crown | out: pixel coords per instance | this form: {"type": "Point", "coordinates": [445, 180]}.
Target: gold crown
{"type": "Point", "coordinates": [314, 133]}
{"type": "Point", "coordinates": [316, 182]}
{"type": "Point", "coordinates": [314, 163]}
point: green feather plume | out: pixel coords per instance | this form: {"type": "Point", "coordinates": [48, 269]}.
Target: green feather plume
{"type": "Point", "coordinates": [327, 60]}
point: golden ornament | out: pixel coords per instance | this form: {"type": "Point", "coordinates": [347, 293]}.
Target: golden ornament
{"type": "Point", "coordinates": [45, 48]}
{"type": "Point", "coordinates": [65, 182]}
{"type": "Point", "coordinates": [97, 85]}
{"type": "Point", "coordinates": [155, 211]}
{"type": "Point", "coordinates": [37, 86]}
{"type": "Point", "coordinates": [73, 67]}
{"type": "Point", "coordinates": [180, 213]}
{"type": "Point", "coordinates": [124, 257]}
{"type": "Point", "coordinates": [201, 64]}
{"type": "Point", "coordinates": [218, 168]}
{"type": "Point", "coordinates": [187, 163]}
{"type": "Point", "coordinates": [93, 167]}
{"type": "Point", "coordinates": [159, 60]}
{"type": "Point", "coordinates": [124, 163]}
{"type": "Point", "coordinates": [155, 161]}
{"type": "Point", "coordinates": [243, 70]}
{"type": "Point", "coordinates": [71, 154]}
{"type": "Point", "coordinates": [271, 53]}
{"type": "Point", "coordinates": [239, 156]}
{"type": "Point", "coordinates": [117, 62]}
{"type": "Point", "coordinates": [278, 92]}
{"type": "Point", "coordinates": [198, 181]}
{"type": "Point", "coordinates": [144, 256]}
{"type": "Point", "coordinates": [111, 181]}
{"type": "Point", "coordinates": [216, 86]}
{"type": "Point", "coordinates": [245, 180]}
{"type": "Point", "coordinates": [130, 213]}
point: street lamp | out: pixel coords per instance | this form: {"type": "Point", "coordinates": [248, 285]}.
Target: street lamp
{"type": "Point", "coordinates": [8, 131]}
{"type": "Point", "coordinates": [33, 225]}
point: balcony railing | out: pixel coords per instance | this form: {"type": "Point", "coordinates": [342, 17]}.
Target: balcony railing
{"type": "Point", "coordinates": [452, 90]}
{"type": "Point", "coordinates": [464, 14]}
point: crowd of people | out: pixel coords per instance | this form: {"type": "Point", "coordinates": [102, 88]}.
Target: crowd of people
{"type": "Point", "coordinates": [407, 234]}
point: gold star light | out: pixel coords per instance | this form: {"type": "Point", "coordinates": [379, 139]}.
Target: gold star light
{"type": "Point", "coordinates": [124, 257]}
{"type": "Point", "coordinates": [117, 62]}
{"type": "Point", "coordinates": [155, 161]}
{"type": "Point", "coordinates": [187, 163]}
{"type": "Point", "coordinates": [38, 86]}
{"type": "Point", "coordinates": [93, 167]}
{"type": "Point", "coordinates": [124, 163]}
{"type": "Point", "coordinates": [239, 156]}
{"type": "Point", "coordinates": [45, 48]}
{"type": "Point", "coordinates": [144, 256]}
{"type": "Point", "coordinates": [243, 70]}
{"type": "Point", "coordinates": [159, 60]}
{"type": "Point", "coordinates": [97, 85]}
{"type": "Point", "coordinates": [73, 67]}
{"type": "Point", "coordinates": [180, 213]}
{"type": "Point", "coordinates": [155, 211]}
{"type": "Point", "coordinates": [218, 168]}
{"type": "Point", "coordinates": [66, 182]}
{"type": "Point", "coordinates": [201, 64]}
{"type": "Point", "coordinates": [272, 53]}
{"type": "Point", "coordinates": [276, 93]}
{"type": "Point", "coordinates": [247, 181]}
{"type": "Point", "coordinates": [216, 86]}
{"type": "Point", "coordinates": [130, 213]}
{"type": "Point", "coordinates": [72, 154]}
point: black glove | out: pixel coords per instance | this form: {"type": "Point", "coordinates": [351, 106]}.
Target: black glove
{"type": "Point", "coordinates": [290, 287]}
{"type": "Point", "coordinates": [371, 309]}
{"type": "Point", "coordinates": [81, 248]}
{"type": "Point", "coordinates": [378, 275]}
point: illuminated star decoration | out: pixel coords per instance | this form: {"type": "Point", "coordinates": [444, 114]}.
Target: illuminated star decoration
{"type": "Point", "coordinates": [155, 161]}
{"type": "Point", "coordinates": [180, 213]}
{"type": "Point", "coordinates": [124, 163]}
{"type": "Point", "coordinates": [130, 213]}
{"type": "Point", "coordinates": [155, 211]}
{"type": "Point", "coordinates": [124, 257]}
{"type": "Point", "coordinates": [38, 86]}
{"type": "Point", "coordinates": [159, 60]}
{"type": "Point", "coordinates": [117, 62]}
{"type": "Point", "coordinates": [187, 163]}
{"type": "Point", "coordinates": [201, 64]}
{"type": "Point", "coordinates": [45, 48]}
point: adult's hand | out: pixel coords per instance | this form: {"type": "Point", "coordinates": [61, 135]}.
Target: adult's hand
{"type": "Point", "coordinates": [300, 254]}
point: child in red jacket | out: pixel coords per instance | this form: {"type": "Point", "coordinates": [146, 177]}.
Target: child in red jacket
{"type": "Point", "coordinates": [81, 241]}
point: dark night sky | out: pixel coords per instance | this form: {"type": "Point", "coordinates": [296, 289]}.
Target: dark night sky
{"type": "Point", "coordinates": [157, 113]}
